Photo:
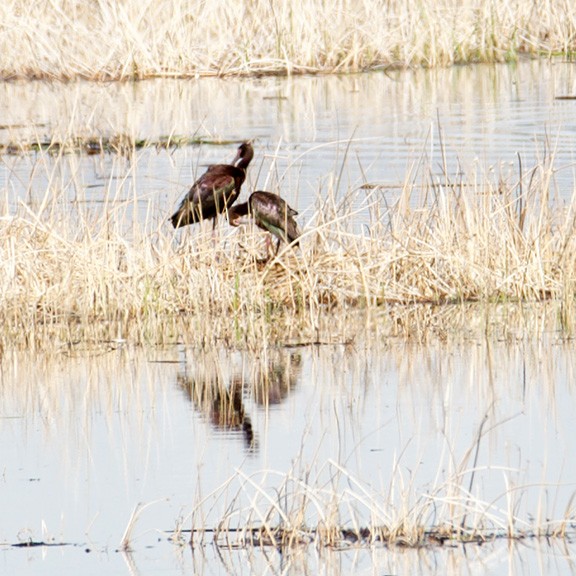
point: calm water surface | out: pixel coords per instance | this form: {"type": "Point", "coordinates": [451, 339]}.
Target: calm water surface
{"type": "Point", "coordinates": [311, 134]}
{"type": "Point", "coordinates": [87, 437]}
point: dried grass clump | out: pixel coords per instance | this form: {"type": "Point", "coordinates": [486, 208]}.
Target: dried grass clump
{"type": "Point", "coordinates": [106, 39]}
{"type": "Point", "coordinates": [67, 275]}
{"type": "Point", "coordinates": [328, 507]}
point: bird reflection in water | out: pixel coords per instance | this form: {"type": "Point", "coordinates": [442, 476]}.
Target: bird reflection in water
{"type": "Point", "coordinates": [224, 401]}
{"type": "Point", "coordinates": [223, 406]}
{"type": "Point", "coordinates": [276, 374]}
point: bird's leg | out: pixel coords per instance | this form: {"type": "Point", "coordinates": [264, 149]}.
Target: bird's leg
{"type": "Point", "coordinates": [268, 247]}
{"type": "Point", "coordinates": [214, 236]}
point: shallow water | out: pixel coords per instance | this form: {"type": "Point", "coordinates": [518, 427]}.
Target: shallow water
{"type": "Point", "coordinates": [384, 422]}
{"type": "Point", "coordinates": [530, 559]}
{"type": "Point", "coordinates": [88, 436]}
{"type": "Point", "coordinates": [311, 133]}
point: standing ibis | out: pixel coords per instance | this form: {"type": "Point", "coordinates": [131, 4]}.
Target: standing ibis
{"type": "Point", "coordinates": [215, 191]}
{"type": "Point", "coordinates": [269, 212]}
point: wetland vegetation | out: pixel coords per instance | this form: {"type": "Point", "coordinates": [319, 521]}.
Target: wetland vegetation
{"type": "Point", "coordinates": [107, 40]}
{"type": "Point", "coordinates": [453, 258]}
{"type": "Point", "coordinates": [72, 273]}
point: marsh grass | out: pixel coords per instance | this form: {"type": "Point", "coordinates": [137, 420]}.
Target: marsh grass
{"type": "Point", "coordinates": [327, 506]}
{"type": "Point", "coordinates": [294, 513]}
{"type": "Point", "coordinates": [122, 144]}
{"type": "Point", "coordinates": [132, 40]}
{"type": "Point", "coordinates": [471, 499]}
{"type": "Point", "coordinates": [73, 274]}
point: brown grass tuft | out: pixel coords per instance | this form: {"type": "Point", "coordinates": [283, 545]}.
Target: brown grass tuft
{"type": "Point", "coordinates": [107, 40]}
{"type": "Point", "coordinates": [69, 274]}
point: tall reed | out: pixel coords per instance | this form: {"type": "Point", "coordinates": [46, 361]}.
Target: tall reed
{"type": "Point", "coordinates": [327, 506]}
{"type": "Point", "coordinates": [105, 39]}
{"type": "Point", "coordinates": [71, 273]}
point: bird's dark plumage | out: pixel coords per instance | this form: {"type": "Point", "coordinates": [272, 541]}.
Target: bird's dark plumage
{"type": "Point", "coordinates": [215, 191]}
{"type": "Point", "coordinates": [269, 212]}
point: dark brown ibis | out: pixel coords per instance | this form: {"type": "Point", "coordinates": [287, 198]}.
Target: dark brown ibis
{"type": "Point", "coordinates": [215, 191]}
{"type": "Point", "coordinates": [269, 212]}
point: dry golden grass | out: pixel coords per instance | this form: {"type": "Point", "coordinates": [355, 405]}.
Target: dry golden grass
{"type": "Point", "coordinates": [299, 508]}
{"type": "Point", "coordinates": [105, 39]}
{"type": "Point", "coordinates": [68, 274]}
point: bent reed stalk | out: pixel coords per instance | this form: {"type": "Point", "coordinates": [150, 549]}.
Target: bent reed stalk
{"type": "Point", "coordinates": [326, 506]}
{"type": "Point", "coordinates": [72, 273]}
{"type": "Point", "coordinates": [176, 38]}
{"type": "Point", "coordinates": [298, 511]}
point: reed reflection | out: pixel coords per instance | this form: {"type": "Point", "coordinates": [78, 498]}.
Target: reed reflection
{"type": "Point", "coordinates": [276, 374]}
{"type": "Point", "coordinates": [222, 404]}
{"type": "Point", "coordinates": [224, 399]}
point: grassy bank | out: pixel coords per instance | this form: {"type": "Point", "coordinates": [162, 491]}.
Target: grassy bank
{"type": "Point", "coordinates": [104, 39]}
{"type": "Point", "coordinates": [70, 273]}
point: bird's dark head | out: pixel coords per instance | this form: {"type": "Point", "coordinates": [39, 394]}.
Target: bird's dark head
{"type": "Point", "coordinates": [244, 155]}
{"type": "Point", "coordinates": [239, 214]}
